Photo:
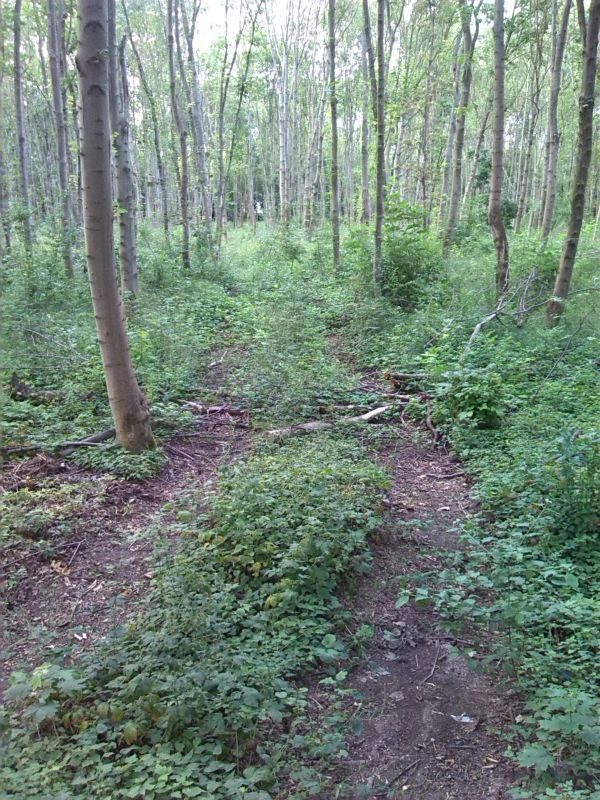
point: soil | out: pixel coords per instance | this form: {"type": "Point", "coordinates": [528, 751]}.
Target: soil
{"type": "Point", "coordinates": [425, 722]}
{"type": "Point", "coordinates": [428, 723]}
{"type": "Point", "coordinates": [99, 572]}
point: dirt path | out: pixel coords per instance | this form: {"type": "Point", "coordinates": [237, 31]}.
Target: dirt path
{"type": "Point", "coordinates": [425, 718]}
{"type": "Point", "coordinates": [97, 567]}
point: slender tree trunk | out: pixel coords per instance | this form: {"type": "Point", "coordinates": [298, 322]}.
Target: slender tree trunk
{"type": "Point", "coordinates": [182, 133]}
{"type": "Point", "coordinates": [368, 39]}
{"type": "Point", "coordinates": [556, 305]}
{"type": "Point", "coordinates": [162, 183]}
{"type": "Point", "coordinates": [61, 133]}
{"type": "Point", "coordinates": [553, 135]}
{"type": "Point", "coordinates": [198, 123]}
{"type": "Point", "coordinates": [128, 404]}
{"type": "Point", "coordinates": [470, 186]}
{"type": "Point", "coordinates": [526, 172]}
{"type": "Point", "coordinates": [495, 204]}
{"type": "Point", "coordinates": [119, 113]}
{"type": "Point", "coordinates": [284, 197]}
{"type": "Point", "coordinates": [451, 133]}
{"type": "Point", "coordinates": [22, 141]}
{"type": "Point", "coordinates": [335, 196]}
{"type": "Point", "coordinates": [4, 190]}
{"type": "Point", "coordinates": [380, 188]}
{"type": "Point", "coordinates": [364, 140]}
{"type": "Point", "coordinates": [469, 41]}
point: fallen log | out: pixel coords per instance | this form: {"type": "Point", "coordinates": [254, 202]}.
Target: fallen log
{"type": "Point", "coordinates": [312, 427]}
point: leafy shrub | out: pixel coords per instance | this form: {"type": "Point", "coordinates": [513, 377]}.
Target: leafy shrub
{"type": "Point", "coordinates": [114, 459]}
{"type": "Point", "coordinates": [411, 256]}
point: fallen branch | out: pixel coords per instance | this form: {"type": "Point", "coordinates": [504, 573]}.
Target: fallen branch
{"type": "Point", "coordinates": [312, 427]}
{"type": "Point", "coordinates": [444, 477]}
{"type": "Point", "coordinates": [63, 448]}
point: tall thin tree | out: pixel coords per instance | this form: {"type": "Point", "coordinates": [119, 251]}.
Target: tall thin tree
{"type": "Point", "coordinates": [60, 121]}
{"type": "Point", "coordinates": [380, 184]}
{"type": "Point", "coordinates": [127, 402]}
{"type": "Point", "coordinates": [556, 304]}
{"type": "Point", "coordinates": [495, 205]}
{"type": "Point", "coordinates": [22, 139]}
{"type": "Point", "coordinates": [335, 194]}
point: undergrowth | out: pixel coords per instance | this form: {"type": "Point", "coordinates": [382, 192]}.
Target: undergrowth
{"type": "Point", "coordinates": [196, 697]}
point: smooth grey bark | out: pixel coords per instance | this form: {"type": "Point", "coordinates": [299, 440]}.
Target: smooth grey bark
{"type": "Point", "coordinates": [56, 77]}
{"type": "Point", "coordinates": [469, 41]}
{"type": "Point", "coordinates": [470, 185]}
{"type": "Point", "coordinates": [196, 111]}
{"type": "Point", "coordinates": [380, 186]}
{"type": "Point", "coordinates": [553, 134]}
{"type": "Point", "coordinates": [335, 196]}
{"type": "Point", "coordinates": [182, 134]}
{"type": "Point", "coordinates": [365, 194]}
{"type": "Point", "coordinates": [495, 204]}
{"type": "Point", "coordinates": [162, 183]}
{"type": "Point", "coordinates": [5, 240]}
{"type": "Point", "coordinates": [368, 39]}
{"type": "Point", "coordinates": [22, 140]}
{"type": "Point", "coordinates": [451, 131]}
{"type": "Point", "coordinates": [127, 402]}
{"type": "Point", "coordinates": [119, 121]}
{"type": "Point", "coordinates": [562, 284]}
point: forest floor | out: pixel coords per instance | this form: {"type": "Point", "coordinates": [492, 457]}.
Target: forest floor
{"type": "Point", "coordinates": [105, 568]}
{"type": "Point", "coordinates": [425, 721]}
{"type": "Point", "coordinates": [429, 721]}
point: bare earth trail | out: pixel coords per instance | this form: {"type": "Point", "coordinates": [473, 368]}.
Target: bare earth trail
{"type": "Point", "coordinates": [103, 568]}
{"type": "Point", "coordinates": [427, 722]}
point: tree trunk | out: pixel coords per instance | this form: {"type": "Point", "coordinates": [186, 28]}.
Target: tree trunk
{"type": "Point", "coordinates": [365, 217]}
{"type": "Point", "coordinates": [162, 183]}
{"type": "Point", "coordinates": [495, 204]}
{"type": "Point", "coordinates": [451, 132]}
{"type": "Point", "coordinates": [553, 135]}
{"type": "Point", "coordinates": [469, 188]}
{"type": "Point", "coordinates": [368, 39]}
{"type": "Point", "coordinates": [128, 404]}
{"type": "Point", "coordinates": [61, 133]}
{"type": "Point", "coordinates": [380, 188]}
{"type": "Point", "coordinates": [469, 41]}
{"type": "Point", "coordinates": [198, 123]}
{"type": "Point", "coordinates": [22, 143]}
{"type": "Point", "coordinates": [119, 119]}
{"type": "Point", "coordinates": [335, 196]}
{"type": "Point", "coordinates": [556, 304]}
{"type": "Point", "coordinates": [182, 133]}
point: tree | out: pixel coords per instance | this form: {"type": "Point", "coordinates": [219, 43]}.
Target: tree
{"type": "Point", "coordinates": [180, 126]}
{"type": "Point", "coordinates": [469, 41]}
{"type": "Point", "coordinates": [335, 197]}
{"type": "Point", "coordinates": [556, 304]}
{"type": "Point", "coordinates": [127, 402]}
{"type": "Point", "coordinates": [119, 116]}
{"type": "Point", "coordinates": [553, 134]}
{"type": "Point", "coordinates": [495, 205]}
{"type": "Point", "coordinates": [60, 121]}
{"type": "Point", "coordinates": [380, 185]}
{"type": "Point", "coordinates": [22, 140]}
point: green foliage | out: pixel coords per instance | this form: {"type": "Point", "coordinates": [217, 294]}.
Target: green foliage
{"type": "Point", "coordinates": [188, 701]}
{"type": "Point", "coordinates": [114, 459]}
{"type": "Point", "coordinates": [411, 255]}
{"type": "Point", "coordinates": [537, 472]}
